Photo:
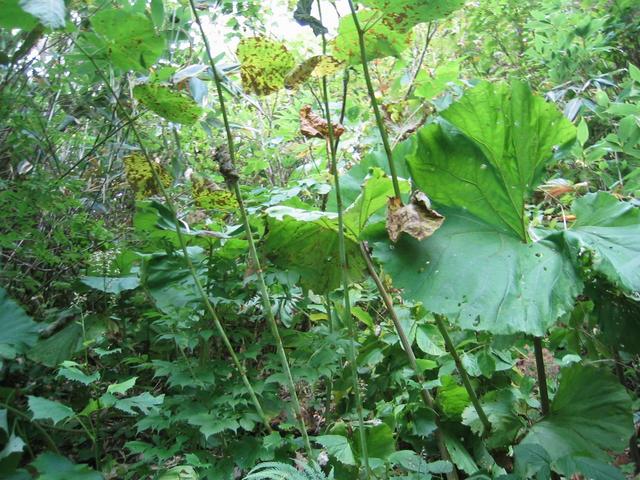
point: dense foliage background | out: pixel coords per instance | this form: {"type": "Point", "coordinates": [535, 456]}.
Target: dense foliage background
{"type": "Point", "coordinates": [219, 254]}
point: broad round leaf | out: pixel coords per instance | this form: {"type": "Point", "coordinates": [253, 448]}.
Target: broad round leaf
{"type": "Point", "coordinates": [483, 278]}
{"type": "Point", "coordinates": [307, 243]}
{"type": "Point", "coordinates": [132, 42]}
{"type": "Point", "coordinates": [264, 63]}
{"type": "Point", "coordinates": [405, 14]}
{"type": "Point", "coordinates": [590, 415]}
{"type": "Point", "coordinates": [511, 134]}
{"type": "Point", "coordinates": [380, 39]}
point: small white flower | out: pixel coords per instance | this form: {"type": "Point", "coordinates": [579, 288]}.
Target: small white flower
{"type": "Point", "coordinates": [323, 458]}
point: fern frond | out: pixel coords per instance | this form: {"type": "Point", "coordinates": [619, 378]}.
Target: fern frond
{"type": "Point", "coordinates": [284, 471]}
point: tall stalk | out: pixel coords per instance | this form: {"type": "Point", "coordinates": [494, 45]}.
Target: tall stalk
{"type": "Point", "coordinates": [232, 182]}
{"type": "Point", "coordinates": [344, 264]}
{"type": "Point", "coordinates": [374, 101]}
{"type": "Point", "coordinates": [406, 345]}
{"type": "Point", "coordinates": [396, 188]}
{"type": "Point", "coordinates": [542, 375]}
{"type": "Point", "coordinates": [451, 348]}
{"type": "Point", "coordinates": [183, 246]}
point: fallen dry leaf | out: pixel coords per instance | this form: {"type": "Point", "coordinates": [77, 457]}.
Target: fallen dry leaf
{"type": "Point", "coordinates": [416, 218]}
{"type": "Point", "coordinates": [314, 126]}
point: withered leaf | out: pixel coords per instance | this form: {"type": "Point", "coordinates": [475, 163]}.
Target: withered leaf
{"type": "Point", "coordinates": [263, 64]}
{"type": "Point", "coordinates": [416, 218]}
{"type": "Point", "coordinates": [313, 125]}
{"type": "Point", "coordinates": [317, 67]}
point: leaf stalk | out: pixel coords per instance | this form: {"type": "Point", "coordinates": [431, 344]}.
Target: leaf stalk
{"type": "Point", "coordinates": [264, 292]}
{"type": "Point", "coordinates": [466, 381]}
{"type": "Point", "coordinates": [408, 349]}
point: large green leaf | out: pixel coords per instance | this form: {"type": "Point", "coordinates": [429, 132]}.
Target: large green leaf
{"type": "Point", "coordinates": [131, 40]}
{"type": "Point", "coordinates": [483, 278]}
{"type": "Point", "coordinates": [307, 243]}
{"type": "Point", "coordinates": [610, 231]}
{"type": "Point", "coordinates": [590, 415]}
{"type": "Point", "coordinates": [404, 14]}
{"type": "Point", "coordinates": [51, 13]}
{"type": "Point", "coordinates": [169, 281]}
{"type": "Point", "coordinates": [500, 408]}
{"type": "Point", "coordinates": [44, 409]}
{"type": "Point", "coordinates": [175, 106]}
{"type": "Point", "coordinates": [62, 345]}
{"type": "Point", "coordinates": [380, 39]}
{"type": "Point", "coordinates": [19, 332]}
{"type": "Point", "coordinates": [264, 64]}
{"type": "Point", "coordinates": [115, 285]}
{"type": "Point", "coordinates": [15, 17]}
{"type": "Point", "coordinates": [55, 467]}
{"type": "Point", "coordinates": [511, 135]}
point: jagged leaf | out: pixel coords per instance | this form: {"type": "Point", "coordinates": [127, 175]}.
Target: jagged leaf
{"type": "Point", "coordinates": [145, 402]}
{"type": "Point", "coordinates": [264, 64]}
{"type": "Point", "coordinates": [209, 424]}
{"type": "Point", "coordinates": [404, 14]}
{"type": "Point", "coordinates": [380, 39]}
{"type": "Point", "coordinates": [19, 332]}
{"type": "Point", "coordinates": [590, 415]}
{"type": "Point", "coordinates": [610, 230]}
{"type": "Point", "coordinates": [499, 405]}
{"type": "Point", "coordinates": [483, 278]}
{"type": "Point", "coordinates": [70, 371]}
{"type": "Point", "coordinates": [337, 446]}
{"type": "Point", "coordinates": [492, 158]}
{"type": "Point", "coordinates": [307, 243]}
{"type": "Point", "coordinates": [44, 409]}
{"type": "Point", "coordinates": [131, 40]}
{"type": "Point", "coordinates": [174, 105]}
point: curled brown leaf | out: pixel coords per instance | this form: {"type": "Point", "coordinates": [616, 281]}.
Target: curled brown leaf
{"type": "Point", "coordinates": [416, 218]}
{"type": "Point", "coordinates": [313, 125]}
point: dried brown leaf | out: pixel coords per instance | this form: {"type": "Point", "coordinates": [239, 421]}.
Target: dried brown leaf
{"type": "Point", "coordinates": [416, 218]}
{"type": "Point", "coordinates": [313, 125]}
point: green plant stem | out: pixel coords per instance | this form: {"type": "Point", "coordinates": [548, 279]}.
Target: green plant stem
{"type": "Point", "coordinates": [266, 304]}
{"type": "Point", "coordinates": [200, 289]}
{"type": "Point", "coordinates": [329, 390]}
{"type": "Point", "coordinates": [451, 348]}
{"type": "Point", "coordinates": [542, 375]}
{"type": "Point", "coordinates": [408, 349]}
{"type": "Point", "coordinates": [264, 292]}
{"type": "Point", "coordinates": [374, 101]}
{"type": "Point", "coordinates": [348, 319]}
